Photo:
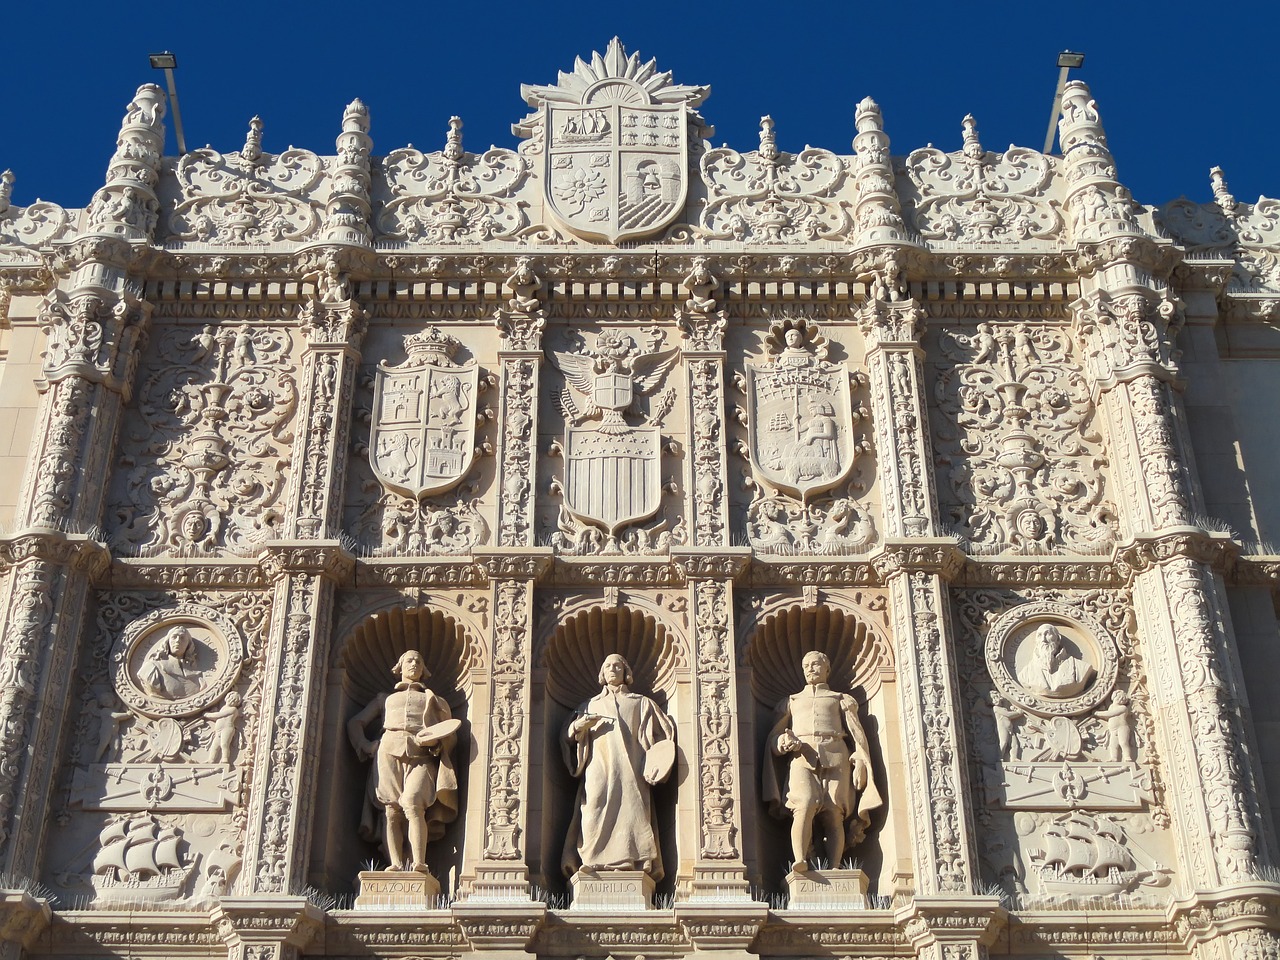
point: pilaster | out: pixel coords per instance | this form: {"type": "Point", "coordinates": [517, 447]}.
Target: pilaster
{"type": "Point", "coordinates": [95, 326]}
{"type": "Point", "coordinates": [1126, 321]}
{"type": "Point", "coordinates": [520, 360]}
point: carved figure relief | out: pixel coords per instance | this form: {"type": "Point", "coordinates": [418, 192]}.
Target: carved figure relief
{"type": "Point", "coordinates": [614, 135]}
{"type": "Point", "coordinates": [828, 783]}
{"type": "Point", "coordinates": [176, 661]}
{"type": "Point", "coordinates": [207, 456]}
{"type": "Point", "coordinates": [452, 196]}
{"type": "Point", "coordinates": [619, 744]}
{"type": "Point", "coordinates": [801, 443]}
{"type": "Point", "coordinates": [247, 198]}
{"type": "Point", "coordinates": [424, 417]}
{"type": "Point", "coordinates": [611, 472]}
{"type": "Point", "coordinates": [768, 196]}
{"type": "Point", "coordinates": [413, 781]}
{"type": "Point", "coordinates": [1017, 441]}
{"type": "Point", "coordinates": [974, 196]}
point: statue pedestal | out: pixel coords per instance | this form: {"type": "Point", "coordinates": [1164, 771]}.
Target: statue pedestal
{"type": "Point", "coordinates": [827, 890]}
{"type": "Point", "coordinates": [605, 890]}
{"type": "Point", "coordinates": [393, 889]}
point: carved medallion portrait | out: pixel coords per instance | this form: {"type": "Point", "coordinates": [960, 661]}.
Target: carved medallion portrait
{"type": "Point", "coordinates": [1051, 658]}
{"type": "Point", "coordinates": [176, 661]}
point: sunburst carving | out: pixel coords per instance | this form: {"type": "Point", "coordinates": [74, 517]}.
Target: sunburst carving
{"type": "Point", "coordinates": [859, 657]}
{"type": "Point", "coordinates": [376, 644]}
{"type": "Point", "coordinates": [610, 77]}
{"type": "Point", "coordinates": [580, 644]}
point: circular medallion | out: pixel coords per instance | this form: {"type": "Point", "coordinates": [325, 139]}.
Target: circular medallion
{"type": "Point", "coordinates": [1051, 659]}
{"type": "Point", "coordinates": [176, 661]}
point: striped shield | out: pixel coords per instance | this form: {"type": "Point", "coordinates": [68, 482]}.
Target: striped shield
{"type": "Point", "coordinates": [612, 479]}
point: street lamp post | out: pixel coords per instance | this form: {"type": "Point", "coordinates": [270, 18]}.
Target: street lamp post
{"type": "Point", "coordinates": [1067, 59]}
{"type": "Point", "coordinates": [168, 62]}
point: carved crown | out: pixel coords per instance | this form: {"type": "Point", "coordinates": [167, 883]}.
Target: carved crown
{"type": "Point", "coordinates": [431, 346]}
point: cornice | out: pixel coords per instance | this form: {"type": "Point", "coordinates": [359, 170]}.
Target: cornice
{"type": "Point", "coordinates": [77, 551]}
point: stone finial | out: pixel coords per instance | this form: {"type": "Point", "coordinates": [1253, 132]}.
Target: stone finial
{"type": "Point", "coordinates": [768, 141]}
{"type": "Point", "coordinates": [867, 117]}
{"type": "Point", "coordinates": [355, 119]}
{"type": "Point", "coordinates": [252, 150]}
{"type": "Point", "coordinates": [1221, 192]}
{"type": "Point", "coordinates": [453, 151]}
{"type": "Point", "coordinates": [972, 145]}
{"type": "Point", "coordinates": [146, 109]}
{"type": "Point", "coordinates": [1080, 121]}
{"type": "Point", "coordinates": [6, 190]}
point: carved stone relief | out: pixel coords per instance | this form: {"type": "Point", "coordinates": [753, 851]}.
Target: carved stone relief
{"type": "Point", "coordinates": [767, 196]}
{"type": "Point", "coordinates": [1017, 440]}
{"type": "Point", "coordinates": [612, 471]}
{"type": "Point", "coordinates": [31, 226]}
{"type": "Point", "coordinates": [802, 442]}
{"type": "Point", "coordinates": [1057, 710]}
{"type": "Point", "coordinates": [976, 197]}
{"type": "Point", "coordinates": [205, 456]}
{"type": "Point", "coordinates": [247, 198]}
{"type": "Point", "coordinates": [452, 196]}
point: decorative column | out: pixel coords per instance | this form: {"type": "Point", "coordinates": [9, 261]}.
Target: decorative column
{"type": "Point", "coordinates": [710, 565]}
{"type": "Point", "coordinates": [94, 326]}
{"type": "Point", "coordinates": [267, 918]}
{"type": "Point", "coordinates": [916, 565]}
{"type": "Point", "coordinates": [520, 359]}
{"type": "Point", "coordinates": [1126, 322]}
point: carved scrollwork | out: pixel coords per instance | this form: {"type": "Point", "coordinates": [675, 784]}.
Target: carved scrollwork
{"type": "Point", "coordinates": [1016, 439]}
{"type": "Point", "coordinates": [247, 198]}
{"type": "Point", "coordinates": [208, 460]}
{"type": "Point", "coordinates": [767, 196]}
{"type": "Point", "coordinates": [974, 196]}
{"type": "Point", "coordinates": [451, 196]}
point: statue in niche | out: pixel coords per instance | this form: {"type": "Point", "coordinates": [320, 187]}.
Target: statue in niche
{"type": "Point", "coordinates": [413, 779]}
{"type": "Point", "coordinates": [1053, 670]}
{"type": "Point", "coordinates": [170, 670]}
{"type": "Point", "coordinates": [619, 744]}
{"type": "Point", "coordinates": [828, 782]}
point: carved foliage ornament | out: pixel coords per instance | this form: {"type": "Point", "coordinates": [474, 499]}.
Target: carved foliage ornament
{"type": "Point", "coordinates": [424, 421]}
{"type": "Point", "coordinates": [974, 196]}
{"type": "Point", "coordinates": [1052, 659]}
{"type": "Point", "coordinates": [176, 661]}
{"type": "Point", "coordinates": [247, 198]}
{"type": "Point", "coordinates": [614, 134]}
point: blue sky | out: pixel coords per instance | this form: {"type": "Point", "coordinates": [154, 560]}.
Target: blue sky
{"type": "Point", "coordinates": [1181, 86]}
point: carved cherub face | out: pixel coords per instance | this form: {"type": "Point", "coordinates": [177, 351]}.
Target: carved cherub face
{"type": "Point", "coordinates": [816, 667]}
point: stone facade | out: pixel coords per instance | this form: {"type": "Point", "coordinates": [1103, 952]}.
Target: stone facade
{"type": "Point", "coordinates": [978, 427]}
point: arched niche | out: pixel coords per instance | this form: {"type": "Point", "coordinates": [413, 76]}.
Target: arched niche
{"type": "Point", "coordinates": [567, 667]}
{"type": "Point", "coordinates": [862, 664]}
{"type": "Point", "coordinates": [360, 668]}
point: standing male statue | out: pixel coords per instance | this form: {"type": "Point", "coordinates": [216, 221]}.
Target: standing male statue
{"type": "Point", "coordinates": [413, 778]}
{"type": "Point", "coordinates": [619, 743]}
{"type": "Point", "coordinates": [829, 777]}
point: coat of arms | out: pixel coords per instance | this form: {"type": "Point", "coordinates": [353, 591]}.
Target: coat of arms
{"type": "Point", "coordinates": [611, 467]}
{"type": "Point", "coordinates": [800, 431]}
{"type": "Point", "coordinates": [424, 417]}
{"type": "Point", "coordinates": [616, 135]}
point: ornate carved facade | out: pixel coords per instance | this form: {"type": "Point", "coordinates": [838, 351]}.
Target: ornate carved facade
{"type": "Point", "coordinates": [618, 432]}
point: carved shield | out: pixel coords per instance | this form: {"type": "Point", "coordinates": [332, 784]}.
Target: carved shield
{"type": "Point", "coordinates": [801, 426]}
{"type": "Point", "coordinates": [616, 171]}
{"type": "Point", "coordinates": [424, 424]}
{"type": "Point", "coordinates": [612, 479]}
